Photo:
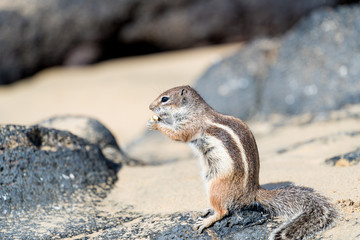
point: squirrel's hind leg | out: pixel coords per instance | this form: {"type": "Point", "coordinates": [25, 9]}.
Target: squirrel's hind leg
{"type": "Point", "coordinates": [204, 223]}
{"type": "Point", "coordinates": [218, 203]}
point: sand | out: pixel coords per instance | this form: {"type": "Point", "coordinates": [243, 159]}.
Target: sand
{"type": "Point", "coordinates": [118, 93]}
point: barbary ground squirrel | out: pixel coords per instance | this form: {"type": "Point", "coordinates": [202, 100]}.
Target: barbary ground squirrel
{"type": "Point", "coordinates": [230, 166]}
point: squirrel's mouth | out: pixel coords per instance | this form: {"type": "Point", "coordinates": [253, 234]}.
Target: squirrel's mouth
{"type": "Point", "coordinates": [160, 116]}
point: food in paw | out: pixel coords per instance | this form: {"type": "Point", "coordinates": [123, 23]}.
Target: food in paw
{"type": "Point", "coordinates": [155, 118]}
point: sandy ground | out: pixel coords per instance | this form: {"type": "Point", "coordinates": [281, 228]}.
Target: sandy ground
{"type": "Point", "coordinates": [118, 93]}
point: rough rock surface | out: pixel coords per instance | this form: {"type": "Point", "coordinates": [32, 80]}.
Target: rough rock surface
{"type": "Point", "coordinates": [93, 131]}
{"type": "Point", "coordinates": [56, 32]}
{"type": "Point", "coordinates": [89, 219]}
{"type": "Point", "coordinates": [40, 166]}
{"type": "Point", "coordinates": [314, 68]}
{"type": "Point", "coordinates": [246, 224]}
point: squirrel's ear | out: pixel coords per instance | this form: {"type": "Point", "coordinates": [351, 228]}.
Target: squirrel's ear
{"type": "Point", "coordinates": [183, 92]}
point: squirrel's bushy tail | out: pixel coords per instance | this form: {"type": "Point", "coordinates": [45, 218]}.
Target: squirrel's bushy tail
{"type": "Point", "coordinates": [307, 212]}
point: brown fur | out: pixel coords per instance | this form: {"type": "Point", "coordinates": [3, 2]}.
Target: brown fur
{"type": "Point", "coordinates": [231, 162]}
{"type": "Point", "coordinates": [248, 141]}
{"type": "Point", "coordinates": [218, 193]}
{"type": "Point", "coordinates": [229, 144]}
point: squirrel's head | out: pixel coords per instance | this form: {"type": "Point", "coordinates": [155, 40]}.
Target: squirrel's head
{"type": "Point", "coordinates": [175, 101]}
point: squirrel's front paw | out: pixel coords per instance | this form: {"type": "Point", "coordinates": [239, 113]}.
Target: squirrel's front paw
{"type": "Point", "coordinates": [152, 124]}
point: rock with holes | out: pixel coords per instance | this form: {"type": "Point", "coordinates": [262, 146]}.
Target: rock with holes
{"type": "Point", "coordinates": [244, 224]}
{"type": "Point", "coordinates": [41, 166]}
{"type": "Point", "coordinates": [91, 220]}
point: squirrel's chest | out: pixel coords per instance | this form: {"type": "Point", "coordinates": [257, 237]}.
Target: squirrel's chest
{"type": "Point", "coordinates": [214, 157]}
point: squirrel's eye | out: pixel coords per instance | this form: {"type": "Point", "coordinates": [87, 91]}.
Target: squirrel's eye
{"type": "Point", "coordinates": [164, 99]}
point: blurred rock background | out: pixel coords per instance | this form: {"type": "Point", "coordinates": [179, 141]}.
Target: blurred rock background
{"type": "Point", "coordinates": [67, 32]}
{"type": "Point", "coordinates": [293, 58]}
{"type": "Point", "coordinates": [314, 68]}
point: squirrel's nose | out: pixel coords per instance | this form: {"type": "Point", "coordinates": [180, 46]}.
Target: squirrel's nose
{"type": "Point", "coordinates": [151, 106]}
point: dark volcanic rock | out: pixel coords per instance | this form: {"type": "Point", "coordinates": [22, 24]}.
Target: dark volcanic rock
{"type": "Point", "coordinates": [245, 224]}
{"type": "Point", "coordinates": [55, 32]}
{"type": "Point", "coordinates": [93, 131]}
{"type": "Point", "coordinates": [313, 69]}
{"type": "Point", "coordinates": [89, 219]}
{"type": "Point", "coordinates": [40, 166]}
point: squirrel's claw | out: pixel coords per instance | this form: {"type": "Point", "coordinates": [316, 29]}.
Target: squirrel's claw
{"type": "Point", "coordinates": [199, 225]}
{"type": "Point", "coordinates": [151, 125]}
{"type": "Point", "coordinates": [206, 212]}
